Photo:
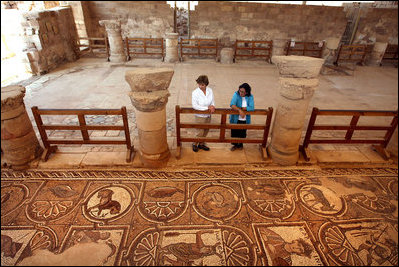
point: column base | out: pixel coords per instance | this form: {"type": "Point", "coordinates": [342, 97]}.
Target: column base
{"type": "Point", "coordinates": [155, 160]}
{"type": "Point", "coordinates": [281, 158]}
{"type": "Point", "coordinates": [117, 58]}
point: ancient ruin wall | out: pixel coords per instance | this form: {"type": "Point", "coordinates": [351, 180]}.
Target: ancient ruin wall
{"type": "Point", "coordinates": [50, 38]}
{"type": "Point", "coordinates": [149, 19]}
{"type": "Point", "coordinates": [378, 25]}
{"type": "Point", "coordinates": [260, 21]}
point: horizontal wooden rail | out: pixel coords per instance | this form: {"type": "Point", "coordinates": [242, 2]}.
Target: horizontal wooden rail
{"type": "Point", "coordinates": [356, 114]}
{"type": "Point", "coordinates": [94, 48]}
{"type": "Point", "coordinates": [351, 53]}
{"type": "Point", "coordinates": [156, 45]}
{"type": "Point", "coordinates": [83, 127]}
{"type": "Point", "coordinates": [223, 127]}
{"type": "Point", "coordinates": [199, 44]}
{"type": "Point", "coordinates": [311, 49]}
{"type": "Point", "coordinates": [255, 45]}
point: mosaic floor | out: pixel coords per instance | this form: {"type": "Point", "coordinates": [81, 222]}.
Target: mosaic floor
{"type": "Point", "coordinates": [325, 216]}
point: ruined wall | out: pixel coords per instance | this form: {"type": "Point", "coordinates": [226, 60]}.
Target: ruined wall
{"type": "Point", "coordinates": [260, 21]}
{"type": "Point", "coordinates": [50, 38]}
{"type": "Point", "coordinates": [150, 19]}
{"type": "Point", "coordinates": [378, 25]}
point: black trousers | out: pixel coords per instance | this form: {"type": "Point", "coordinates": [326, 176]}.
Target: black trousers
{"type": "Point", "coordinates": [240, 133]}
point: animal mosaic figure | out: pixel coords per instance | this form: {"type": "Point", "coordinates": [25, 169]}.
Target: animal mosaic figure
{"type": "Point", "coordinates": [187, 253]}
{"type": "Point", "coordinates": [106, 202]}
{"type": "Point", "coordinates": [318, 197]}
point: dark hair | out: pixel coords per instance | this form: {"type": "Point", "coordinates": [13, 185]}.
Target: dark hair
{"type": "Point", "coordinates": [246, 87]}
{"type": "Point", "coordinates": [202, 79]}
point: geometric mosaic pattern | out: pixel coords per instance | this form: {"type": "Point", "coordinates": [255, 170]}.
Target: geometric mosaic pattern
{"type": "Point", "coordinates": [260, 217]}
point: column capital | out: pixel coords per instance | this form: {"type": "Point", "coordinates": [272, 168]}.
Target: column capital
{"type": "Point", "coordinates": [111, 25]}
{"type": "Point", "coordinates": [12, 97]}
{"type": "Point", "coordinates": [149, 79]}
{"type": "Point", "coordinates": [298, 66]}
{"type": "Point", "coordinates": [171, 35]}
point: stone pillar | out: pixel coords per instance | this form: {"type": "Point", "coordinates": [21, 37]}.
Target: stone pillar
{"type": "Point", "coordinates": [171, 50]}
{"type": "Point", "coordinates": [330, 50]}
{"type": "Point", "coordinates": [18, 139]}
{"type": "Point", "coordinates": [377, 53]}
{"type": "Point", "coordinates": [149, 95]}
{"type": "Point", "coordinates": [117, 51]}
{"type": "Point", "coordinates": [298, 80]}
{"type": "Point", "coordinates": [226, 55]}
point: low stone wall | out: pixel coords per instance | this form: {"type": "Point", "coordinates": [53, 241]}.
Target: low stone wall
{"type": "Point", "coordinates": [50, 38]}
{"type": "Point", "coordinates": [149, 19]}
{"type": "Point", "coordinates": [229, 21]}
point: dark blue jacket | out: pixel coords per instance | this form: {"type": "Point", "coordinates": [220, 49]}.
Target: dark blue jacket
{"type": "Point", "coordinates": [237, 101]}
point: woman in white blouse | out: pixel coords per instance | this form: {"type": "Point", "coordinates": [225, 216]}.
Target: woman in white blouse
{"type": "Point", "coordinates": [202, 99]}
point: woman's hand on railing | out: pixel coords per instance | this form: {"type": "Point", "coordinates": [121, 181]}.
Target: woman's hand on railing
{"type": "Point", "coordinates": [211, 108]}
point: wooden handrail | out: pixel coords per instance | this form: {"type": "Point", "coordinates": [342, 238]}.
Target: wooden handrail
{"type": "Point", "coordinates": [351, 50]}
{"type": "Point", "coordinates": [356, 114]}
{"type": "Point", "coordinates": [155, 43]}
{"type": "Point", "coordinates": [222, 127]}
{"type": "Point", "coordinates": [198, 47]}
{"type": "Point", "coordinates": [90, 47]}
{"type": "Point", "coordinates": [83, 127]}
{"type": "Point", "coordinates": [304, 51]}
{"type": "Point", "coordinates": [253, 48]}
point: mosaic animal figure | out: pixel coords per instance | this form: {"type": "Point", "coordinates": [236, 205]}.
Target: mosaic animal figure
{"type": "Point", "coordinates": [318, 197]}
{"type": "Point", "coordinates": [106, 202]}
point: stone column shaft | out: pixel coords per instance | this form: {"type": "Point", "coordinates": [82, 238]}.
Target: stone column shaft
{"type": "Point", "coordinates": [117, 50]}
{"type": "Point", "coordinates": [18, 139]}
{"type": "Point", "coordinates": [149, 96]}
{"type": "Point", "coordinates": [171, 50]}
{"type": "Point", "coordinates": [297, 84]}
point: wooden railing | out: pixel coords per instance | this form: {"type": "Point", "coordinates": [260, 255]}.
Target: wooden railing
{"type": "Point", "coordinates": [256, 49]}
{"type": "Point", "coordinates": [350, 129]}
{"type": "Point", "coordinates": [144, 46]}
{"type": "Point", "coordinates": [310, 49]}
{"type": "Point", "coordinates": [93, 46]}
{"type": "Point", "coordinates": [223, 126]}
{"type": "Point", "coordinates": [83, 127]}
{"type": "Point", "coordinates": [351, 53]}
{"type": "Point", "coordinates": [390, 54]}
{"type": "Point", "coordinates": [197, 45]}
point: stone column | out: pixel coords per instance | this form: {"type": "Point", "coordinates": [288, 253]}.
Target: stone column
{"type": "Point", "coordinates": [117, 51]}
{"type": "Point", "coordinates": [226, 55]}
{"type": "Point", "coordinates": [377, 53]}
{"type": "Point", "coordinates": [298, 80]}
{"type": "Point", "coordinates": [171, 50]}
{"type": "Point", "coordinates": [18, 139]}
{"type": "Point", "coordinates": [149, 95]}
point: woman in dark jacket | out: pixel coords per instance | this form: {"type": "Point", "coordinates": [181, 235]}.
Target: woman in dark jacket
{"type": "Point", "coordinates": [242, 101]}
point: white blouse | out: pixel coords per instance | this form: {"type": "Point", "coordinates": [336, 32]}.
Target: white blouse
{"type": "Point", "coordinates": [201, 101]}
{"type": "Point", "coordinates": [243, 105]}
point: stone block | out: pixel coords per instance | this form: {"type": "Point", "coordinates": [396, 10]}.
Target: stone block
{"type": "Point", "coordinates": [226, 55]}
{"type": "Point", "coordinates": [297, 88]}
{"type": "Point", "coordinates": [149, 79]}
{"type": "Point", "coordinates": [151, 121]}
{"type": "Point", "coordinates": [149, 102]}
{"type": "Point", "coordinates": [153, 142]}
{"type": "Point", "coordinates": [298, 66]}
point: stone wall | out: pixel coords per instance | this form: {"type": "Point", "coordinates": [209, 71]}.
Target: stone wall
{"type": "Point", "coordinates": [229, 21]}
{"type": "Point", "coordinates": [378, 25]}
{"type": "Point", "coordinates": [149, 19]}
{"type": "Point", "coordinates": [50, 38]}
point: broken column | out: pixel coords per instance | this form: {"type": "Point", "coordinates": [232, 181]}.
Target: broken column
{"type": "Point", "coordinates": [149, 95]}
{"type": "Point", "coordinates": [227, 55]}
{"type": "Point", "coordinates": [298, 81]}
{"type": "Point", "coordinates": [113, 29]}
{"type": "Point", "coordinates": [171, 50]}
{"type": "Point", "coordinates": [378, 53]}
{"type": "Point", "coordinates": [18, 139]}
